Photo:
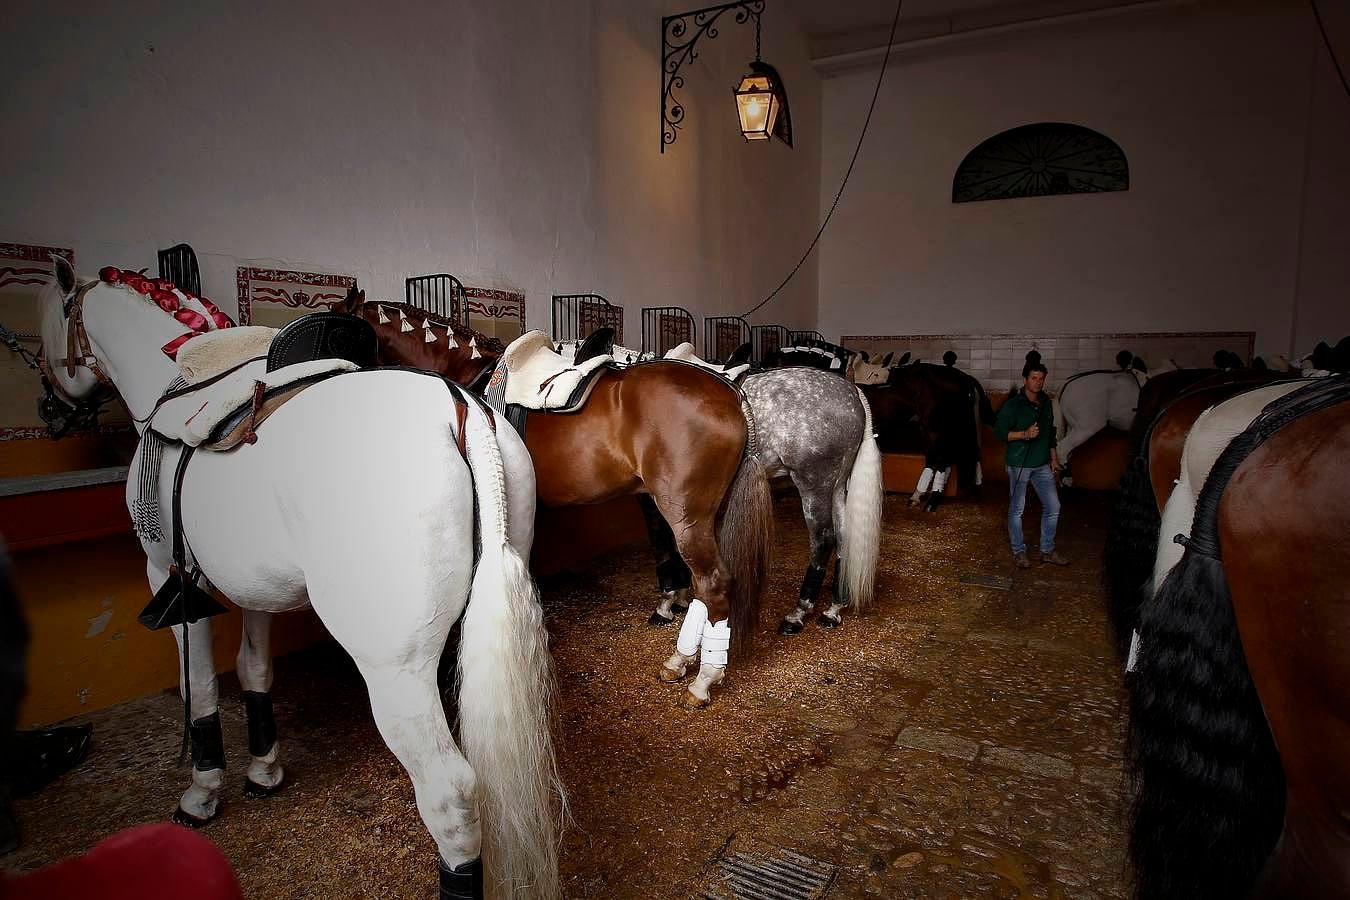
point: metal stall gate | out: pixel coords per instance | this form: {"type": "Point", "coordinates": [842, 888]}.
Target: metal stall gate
{"type": "Point", "coordinates": [722, 335]}
{"type": "Point", "coordinates": [575, 316]}
{"type": "Point", "coordinates": [765, 339]}
{"type": "Point", "coordinates": [666, 327]}
{"type": "Point", "coordinates": [442, 294]}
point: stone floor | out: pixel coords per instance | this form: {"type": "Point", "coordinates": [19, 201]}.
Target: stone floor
{"type": "Point", "coordinates": [958, 740]}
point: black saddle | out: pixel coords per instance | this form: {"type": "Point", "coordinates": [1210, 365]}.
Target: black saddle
{"type": "Point", "coordinates": [323, 335]}
{"type": "Point", "coordinates": [599, 343]}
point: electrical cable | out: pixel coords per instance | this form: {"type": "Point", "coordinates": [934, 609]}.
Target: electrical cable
{"type": "Point", "coordinates": [856, 150]}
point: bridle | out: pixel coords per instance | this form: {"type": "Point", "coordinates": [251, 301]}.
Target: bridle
{"type": "Point", "coordinates": [63, 413]}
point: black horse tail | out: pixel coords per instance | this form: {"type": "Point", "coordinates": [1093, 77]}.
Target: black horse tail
{"type": "Point", "coordinates": [1209, 801]}
{"type": "Point", "coordinates": [1131, 544]}
{"type": "Point", "coordinates": [987, 415]}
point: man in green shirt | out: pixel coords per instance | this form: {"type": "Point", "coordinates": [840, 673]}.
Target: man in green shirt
{"type": "Point", "coordinates": [1027, 422]}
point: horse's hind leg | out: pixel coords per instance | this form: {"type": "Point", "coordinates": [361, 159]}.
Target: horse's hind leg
{"type": "Point", "coordinates": [410, 717]}
{"type": "Point", "coordinates": [834, 616]}
{"type": "Point", "coordinates": [254, 667]}
{"type": "Point", "coordinates": [706, 631]}
{"type": "Point", "coordinates": [822, 516]}
{"type": "Point", "coordinates": [200, 802]}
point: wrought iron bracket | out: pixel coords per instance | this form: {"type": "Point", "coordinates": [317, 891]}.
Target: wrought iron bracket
{"type": "Point", "coordinates": [680, 34]}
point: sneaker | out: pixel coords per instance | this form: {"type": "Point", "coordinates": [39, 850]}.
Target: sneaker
{"type": "Point", "coordinates": [1020, 560]}
{"type": "Point", "coordinates": [1054, 559]}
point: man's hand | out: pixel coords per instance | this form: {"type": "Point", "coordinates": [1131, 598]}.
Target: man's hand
{"type": "Point", "coordinates": [1033, 432]}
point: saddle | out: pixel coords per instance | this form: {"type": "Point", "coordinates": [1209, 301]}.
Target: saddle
{"type": "Point", "coordinates": [732, 372]}
{"type": "Point", "coordinates": [218, 405]}
{"type": "Point", "coordinates": [537, 377]}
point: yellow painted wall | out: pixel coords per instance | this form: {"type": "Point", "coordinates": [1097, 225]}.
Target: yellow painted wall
{"type": "Point", "coordinates": [88, 651]}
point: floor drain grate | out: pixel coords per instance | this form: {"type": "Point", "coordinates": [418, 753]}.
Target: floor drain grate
{"type": "Point", "coordinates": [997, 582]}
{"type": "Point", "coordinates": [784, 876]}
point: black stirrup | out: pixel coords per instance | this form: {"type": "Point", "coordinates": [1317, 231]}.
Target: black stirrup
{"type": "Point", "coordinates": [600, 343]}
{"type": "Point", "coordinates": [323, 335]}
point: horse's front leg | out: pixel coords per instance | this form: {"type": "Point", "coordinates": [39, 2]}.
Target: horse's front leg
{"type": "Point", "coordinates": [254, 667]}
{"type": "Point", "coordinates": [672, 575]}
{"type": "Point", "coordinates": [199, 803]}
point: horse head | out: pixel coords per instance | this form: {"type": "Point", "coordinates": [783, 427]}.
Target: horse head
{"type": "Point", "coordinates": [73, 389]}
{"type": "Point", "coordinates": [740, 356]}
{"type": "Point", "coordinates": [352, 303]}
{"type": "Point", "coordinates": [599, 343]}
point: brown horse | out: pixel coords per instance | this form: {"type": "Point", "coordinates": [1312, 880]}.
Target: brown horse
{"type": "Point", "coordinates": [411, 347]}
{"type": "Point", "coordinates": [1155, 465]}
{"type": "Point", "coordinates": [678, 433]}
{"type": "Point", "coordinates": [1240, 701]}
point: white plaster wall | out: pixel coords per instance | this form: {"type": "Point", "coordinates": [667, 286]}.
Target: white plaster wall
{"type": "Point", "coordinates": [1210, 102]}
{"type": "Point", "coordinates": [513, 144]}
{"type": "Point", "coordinates": [1322, 310]}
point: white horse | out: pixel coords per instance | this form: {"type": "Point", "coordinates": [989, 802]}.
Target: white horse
{"type": "Point", "coordinates": [355, 499]}
{"type": "Point", "coordinates": [1090, 401]}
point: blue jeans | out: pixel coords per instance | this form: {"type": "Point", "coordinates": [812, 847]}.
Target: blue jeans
{"type": "Point", "coordinates": [1043, 480]}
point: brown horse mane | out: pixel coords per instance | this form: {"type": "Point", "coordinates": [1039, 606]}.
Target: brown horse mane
{"type": "Point", "coordinates": [485, 343]}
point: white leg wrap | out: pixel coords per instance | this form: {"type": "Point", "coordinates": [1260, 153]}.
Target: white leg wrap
{"type": "Point", "coordinates": [940, 480]}
{"type": "Point", "coordinates": [925, 479]}
{"type": "Point", "coordinates": [716, 642]}
{"type": "Point", "coordinates": [979, 473]}
{"type": "Point", "coordinates": [708, 675]}
{"type": "Point", "coordinates": [691, 632]}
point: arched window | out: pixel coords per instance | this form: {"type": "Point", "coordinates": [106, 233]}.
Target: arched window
{"type": "Point", "coordinates": [1039, 160]}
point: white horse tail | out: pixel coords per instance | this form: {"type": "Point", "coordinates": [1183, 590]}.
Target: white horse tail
{"type": "Point", "coordinates": [506, 694]}
{"type": "Point", "coordinates": [860, 536]}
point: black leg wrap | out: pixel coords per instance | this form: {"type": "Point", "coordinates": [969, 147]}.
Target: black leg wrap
{"type": "Point", "coordinates": [208, 747]}
{"type": "Point", "coordinates": [811, 584]}
{"type": "Point", "coordinates": [837, 587]}
{"type": "Point", "coordinates": [463, 882]}
{"type": "Point", "coordinates": [262, 727]}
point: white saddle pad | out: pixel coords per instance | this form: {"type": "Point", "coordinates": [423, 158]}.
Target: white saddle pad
{"type": "Point", "coordinates": [685, 353]}
{"type": "Point", "coordinates": [213, 352]}
{"type": "Point", "coordinates": [538, 377]}
{"type": "Point", "coordinates": [192, 417]}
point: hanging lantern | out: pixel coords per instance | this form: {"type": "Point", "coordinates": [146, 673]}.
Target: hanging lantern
{"type": "Point", "coordinates": [761, 105]}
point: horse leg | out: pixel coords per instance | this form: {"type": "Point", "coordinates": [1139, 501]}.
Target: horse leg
{"type": "Point", "coordinates": [839, 598]}
{"type": "Point", "coordinates": [254, 667]}
{"type": "Point", "coordinates": [920, 489]}
{"type": "Point", "coordinates": [200, 802]}
{"type": "Point", "coordinates": [820, 524]}
{"type": "Point", "coordinates": [939, 485]}
{"type": "Point", "coordinates": [672, 574]}
{"type": "Point", "coordinates": [706, 630]}
{"type": "Point", "coordinates": [408, 712]}
{"type": "Point", "coordinates": [1076, 433]}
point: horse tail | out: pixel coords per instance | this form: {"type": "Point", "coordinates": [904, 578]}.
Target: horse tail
{"type": "Point", "coordinates": [506, 691]}
{"type": "Point", "coordinates": [987, 415]}
{"type": "Point", "coordinates": [745, 537]}
{"type": "Point", "coordinates": [860, 532]}
{"type": "Point", "coordinates": [1210, 790]}
{"type": "Point", "coordinates": [1131, 545]}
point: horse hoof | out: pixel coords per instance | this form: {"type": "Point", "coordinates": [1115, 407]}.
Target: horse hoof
{"type": "Point", "coordinates": [255, 791]}
{"type": "Point", "coordinates": [186, 819]}
{"type": "Point", "coordinates": [826, 622]}
{"type": "Point", "coordinates": [671, 676]}
{"type": "Point", "coordinates": [789, 628]}
{"type": "Point", "coordinates": [660, 620]}
{"type": "Point", "coordinates": [693, 702]}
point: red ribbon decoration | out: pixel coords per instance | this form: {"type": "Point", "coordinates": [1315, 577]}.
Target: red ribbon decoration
{"type": "Point", "coordinates": [164, 294]}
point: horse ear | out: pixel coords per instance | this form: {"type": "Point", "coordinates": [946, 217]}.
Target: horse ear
{"type": "Point", "coordinates": [1123, 359]}
{"type": "Point", "coordinates": [353, 300]}
{"type": "Point", "coordinates": [1139, 365]}
{"type": "Point", "coordinates": [64, 275]}
{"type": "Point", "coordinates": [887, 359]}
{"type": "Point", "coordinates": [740, 355]}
